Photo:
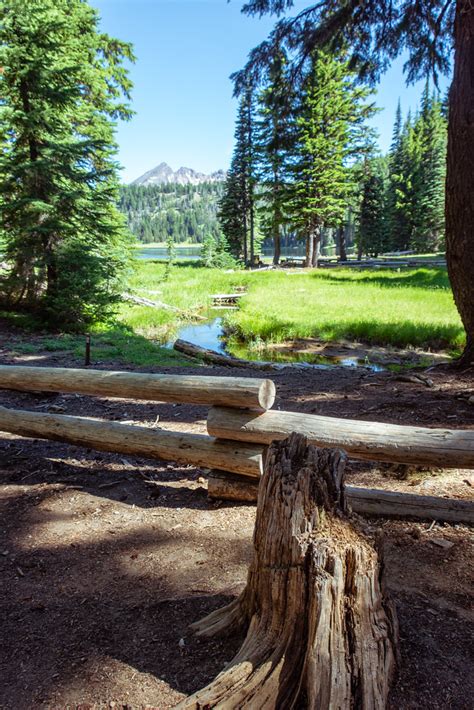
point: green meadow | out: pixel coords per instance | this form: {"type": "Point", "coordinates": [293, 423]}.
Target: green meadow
{"type": "Point", "coordinates": [409, 307]}
{"type": "Point", "coordinates": [402, 308]}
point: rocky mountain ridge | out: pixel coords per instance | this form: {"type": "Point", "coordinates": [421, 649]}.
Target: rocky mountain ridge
{"type": "Point", "coordinates": [164, 174]}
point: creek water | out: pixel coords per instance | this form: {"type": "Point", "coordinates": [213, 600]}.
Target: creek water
{"type": "Point", "coordinates": [211, 335]}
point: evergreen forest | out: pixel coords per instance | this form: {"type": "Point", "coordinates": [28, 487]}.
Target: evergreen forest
{"type": "Point", "coordinates": [306, 168]}
{"type": "Point", "coordinates": [183, 213]}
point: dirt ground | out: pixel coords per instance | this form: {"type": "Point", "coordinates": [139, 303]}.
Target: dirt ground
{"type": "Point", "coordinates": [105, 560]}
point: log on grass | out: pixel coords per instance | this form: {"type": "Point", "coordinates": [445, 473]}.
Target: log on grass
{"type": "Point", "coordinates": [373, 441]}
{"type": "Point", "coordinates": [195, 449]}
{"type": "Point", "coordinates": [193, 389]}
{"type": "Point", "coordinates": [139, 300]}
{"type": "Point", "coordinates": [321, 632]}
{"type": "Point", "coordinates": [365, 501]}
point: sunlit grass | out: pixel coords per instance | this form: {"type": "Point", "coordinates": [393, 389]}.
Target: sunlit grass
{"type": "Point", "coordinates": [406, 308]}
{"type": "Point", "coordinates": [188, 288]}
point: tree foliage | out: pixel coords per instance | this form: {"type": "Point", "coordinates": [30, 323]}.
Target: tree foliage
{"type": "Point", "coordinates": [187, 213]}
{"type": "Point", "coordinates": [63, 84]}
{"type": "Point", "coordinates": [237, 206]}
{"type": "Point", "coordinates": [331, 113]}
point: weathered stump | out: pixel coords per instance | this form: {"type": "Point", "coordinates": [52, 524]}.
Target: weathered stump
{"type": "Point", "coordinates": [321, 632]}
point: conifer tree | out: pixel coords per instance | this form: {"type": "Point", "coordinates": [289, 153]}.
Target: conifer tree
{"type": "Point", "coordinates": [62, 85]}
{"type": "Point", "coordinates": [372, 228]}
{"type": "Point", "coordinates": [328, 133]}
{"type": "Point", "coordinates": [274, 140]}
{"type": "Point", "coordinates": [396, 224]}
{"type": "Point", "coordinates": [434, 34]}
{"type": "Point", "coordinates": [237, 206]}
{"type": "Point", "coordinates": [430, 176]}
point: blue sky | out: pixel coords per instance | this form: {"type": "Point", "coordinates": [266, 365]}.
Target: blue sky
{"type": "Point", "coordinates": [186, 50]}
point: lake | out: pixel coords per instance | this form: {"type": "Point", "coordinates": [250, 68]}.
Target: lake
{"type": "Point", "coordinates": [192, 253]}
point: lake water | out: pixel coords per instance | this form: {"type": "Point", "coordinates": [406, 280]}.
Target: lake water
{"type": "Point", "coordinates": [192, 253]}
{"type": "Point", "coordinates": [181, 253]}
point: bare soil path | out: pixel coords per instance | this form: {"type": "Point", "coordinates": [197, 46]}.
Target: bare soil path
{"type": "Point", "coordinates": [105, 560]}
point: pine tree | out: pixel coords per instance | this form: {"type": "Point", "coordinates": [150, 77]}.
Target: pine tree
{"type": "Point", "coordinates": [396, 226]}
{"type": "Point", "coordinates": [328, 133]}
{"type": "Point", "coordinates": [430, 175]}
{"type": "Point", "coordinates": [237, 206]}
{"type": "Point", "coordinates": [372, 228]}
{"type": "Point", "coordinates": [62, 85]}
{"type": "Point", "coordinates": [435, 34]}
{"type": "Point", "coordinates": [274, 140]}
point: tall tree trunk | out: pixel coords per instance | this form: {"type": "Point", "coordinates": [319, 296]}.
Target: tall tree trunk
{"type": "Point", "coordinates": [244, 224]}
{"type": "Point", "coordinates": [341, 238]}
{"type": "Point", "coordinates": [316, 247]}
{"type": "Point", "coordinates": [277, 218]}
{"type": "Point", "coordinates": [276, 247]}
{"type": "Point", "coordinates": [252, 228]}
{"type": "Point", "coordinates": [460, 174]}
{"type": "Point", "coordinates": [321, 632]}
{"type": "Point", "coordinates": [309, 250]}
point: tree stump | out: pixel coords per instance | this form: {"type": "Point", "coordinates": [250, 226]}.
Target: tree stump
{"type": "Point", "coordinates": [321, 632]}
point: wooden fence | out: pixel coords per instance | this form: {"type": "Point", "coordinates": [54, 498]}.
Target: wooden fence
{"type": "Point", "coordinates": [240, 428]}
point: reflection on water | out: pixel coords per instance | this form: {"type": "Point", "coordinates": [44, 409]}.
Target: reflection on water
{"type": "Point", "coordinates": [210, 335]}
{"type": "Point", "coordinates": [207, 335]}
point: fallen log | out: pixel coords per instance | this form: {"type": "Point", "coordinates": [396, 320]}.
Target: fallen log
{"type": "Point", "coordinates": [141, 301]}
{"type": "Point", "coordinates": [193, 389]}
{"type": "Point", "coordinates": [373, 441]}
{"type": "Point", "coordinates": [321, 632]}
{"type": "Point", "coordinates": [365, 501]}
{"type": "Point", "coordinates": [215, 358]}
{"type": "Point", "coordinates": [195, 449]}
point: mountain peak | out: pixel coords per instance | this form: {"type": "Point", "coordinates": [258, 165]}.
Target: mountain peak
{"type": "Point", "coordinates": [163, 174]}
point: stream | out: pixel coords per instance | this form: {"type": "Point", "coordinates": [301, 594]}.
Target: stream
{"type": "Point", "coordinates": [211, 335]}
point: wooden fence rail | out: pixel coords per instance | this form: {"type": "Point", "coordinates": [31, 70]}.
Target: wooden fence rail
{"type": "Point", "coordinates": [195, 449]}
{"type": "Point", "coordinates": [444, 448]}
{"type": "Point", "coordinates": [192, 389]}
{"type": "Point", "coordinates": [365, 501]}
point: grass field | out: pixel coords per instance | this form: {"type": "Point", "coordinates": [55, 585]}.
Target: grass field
{"type": "Point", "coordinates": [405, 308]}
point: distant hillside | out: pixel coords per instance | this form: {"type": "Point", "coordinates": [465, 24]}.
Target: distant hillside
{"type": "Point", "coordinates": [164, 175]}
{"type": "Point", "coordinates": [157, 210]}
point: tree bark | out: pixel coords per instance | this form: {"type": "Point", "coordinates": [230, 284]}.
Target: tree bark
{"type": "Point", "coordinates": [460, 174]}
{"type": "Point", "coordinates": [276, 248]}
{"type": "Point", "coordinates": [316, 248]}
{"type": "Point", "coordinates": [341, 233]}
{"type": "Point", "coordinates": [321, 631]}
{"type": "Point", "coordinates": [309, 250]}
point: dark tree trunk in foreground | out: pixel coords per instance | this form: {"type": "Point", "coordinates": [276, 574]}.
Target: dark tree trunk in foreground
{"type": "Point", "coordinates": [460, 174]}
{"type": "Point", "coordinates": [276, 248]}
{"type": "Point", "coordinates": [321, 633]}
{"type": "Point", "coordinates": [341, 237]}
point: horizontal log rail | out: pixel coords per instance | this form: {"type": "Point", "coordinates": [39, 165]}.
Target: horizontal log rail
{"type": "Point", "coordinates": [193, 389]}
{"type": "Point", "coordinates": [194, 449]}
{"type": "Point", "coordinates": [365, 501]}
{"type": "Point", "coordinates": [373, 441]}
